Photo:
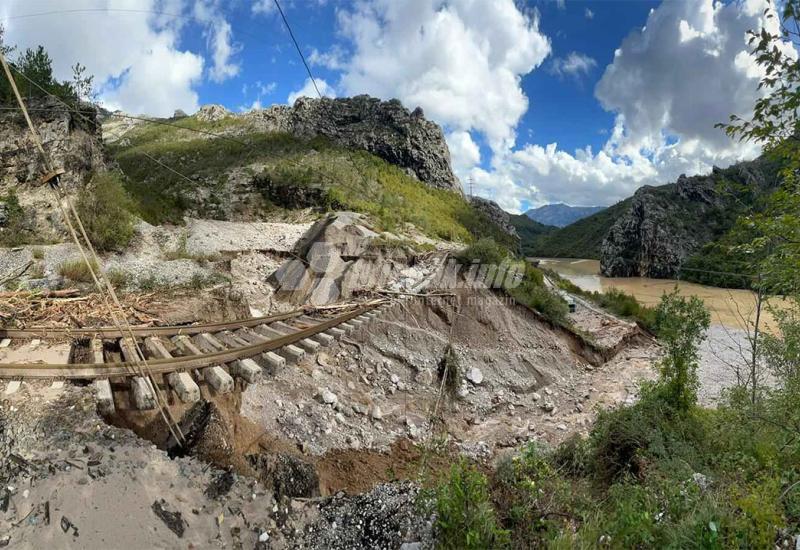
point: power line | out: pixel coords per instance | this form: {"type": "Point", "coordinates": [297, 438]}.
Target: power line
{"type": "Point", "coordinates": [297, 47]}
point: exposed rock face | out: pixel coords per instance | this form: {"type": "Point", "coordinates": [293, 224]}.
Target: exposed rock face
{"type": "Point", "coordinates": [384, 128]}
{"type": "Point", "coordinates": [212, 113]}
{"type": "Point", "coordinates": [664, 225]}
{"type": "Point", "coordinates": [338, 256]}
{"type": "Point", "coordinates": [72, 142]}
{"type": "Point", "coordinates": [496, 214]}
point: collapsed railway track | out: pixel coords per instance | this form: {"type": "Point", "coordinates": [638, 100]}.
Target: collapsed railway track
{"type": "Point", "coordinates": [181, 357]}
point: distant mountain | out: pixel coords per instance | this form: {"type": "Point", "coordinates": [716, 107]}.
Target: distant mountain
{"type": "Point", "coordinates": [561, 215]}
{"type": "Point", "coordinates": [582, 239]}
{"type": "Point", "coordinates": [679, 230]}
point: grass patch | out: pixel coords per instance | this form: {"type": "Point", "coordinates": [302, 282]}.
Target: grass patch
{"type": "Point", "coordinates": [38, 253]}
{"type": "Point", "coordinates": [532, 292]}
{"type": "Point", "coordinates": [354, 180]}
{"type": "Point", "coordinates": [77, 271]}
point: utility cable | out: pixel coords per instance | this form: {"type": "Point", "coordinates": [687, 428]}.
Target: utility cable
{"type": "Point", "coordinates": [54, 185]}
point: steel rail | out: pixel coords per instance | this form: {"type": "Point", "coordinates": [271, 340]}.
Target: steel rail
{"type": "Point", "coordinates": [175, 364]}
{"type": "Point", "coordinates": [174, 330]}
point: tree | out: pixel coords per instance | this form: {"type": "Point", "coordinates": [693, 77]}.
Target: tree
{"type": "Point", "coordinates": [681, 324]}
{"type": "Point", "coordinates": [33, 72]}
{"type": "Point", "coordinates": [775, 125]}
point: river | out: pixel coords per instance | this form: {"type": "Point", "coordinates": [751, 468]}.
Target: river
{"type": "Point", "coordinates": [728, 307]}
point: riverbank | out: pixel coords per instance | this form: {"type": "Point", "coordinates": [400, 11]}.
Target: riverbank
{"type": "Point", "coordinates": [731, 308]}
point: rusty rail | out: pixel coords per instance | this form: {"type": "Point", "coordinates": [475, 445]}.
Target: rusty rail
{"type": "Point", "coordinates": [177, 364]}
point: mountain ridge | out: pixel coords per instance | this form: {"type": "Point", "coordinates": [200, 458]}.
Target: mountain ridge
{"type": "Point", "coordinates": [560, 214]}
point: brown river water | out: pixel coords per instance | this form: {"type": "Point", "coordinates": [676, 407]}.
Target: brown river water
{"type": "Point", "coordinates": [728, 307]}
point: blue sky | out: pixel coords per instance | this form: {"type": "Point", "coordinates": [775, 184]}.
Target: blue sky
{"type": "Point", "coordinates": [541, 101]}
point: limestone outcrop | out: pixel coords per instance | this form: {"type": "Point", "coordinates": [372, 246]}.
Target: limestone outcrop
{"type": "Point", "coordinates": [73, 144]}
{"type": "Point", "coordinates": [497, 215]}
{"type": "Point", "coordinates": [384, 128]}
{"type": "Point", "coordinates": [665, 225]}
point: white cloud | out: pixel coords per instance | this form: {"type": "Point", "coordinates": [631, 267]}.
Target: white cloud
{"type": "Point", "coordinates": [460, 60]}
{"type": "Point", "coordinates": [332, 59]}
{"type": "Point", "coordinates": [588, 14]}
{"type": "Point", "coordinates": [263, 6]}
{"type": "Point", "coordinates": [464, 153]}
{"type": "Point", "coordinates": [669, 83]}
{"type": "Point", "coordinates": [135, 57]}
{"type": "Point", "coordinates": [575, 65]}
{"type": "Point", "coordinates": [219, 36]}
{"type": "Point", "coordinates": [308, 90]}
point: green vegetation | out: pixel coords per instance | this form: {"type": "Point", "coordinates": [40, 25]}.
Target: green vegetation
{"type": "Point", "coordinates": [485, 251]}
{"type": "Point", "coordinates": [465, 518]}
{"type": "Point", "coordinates": [36, 65]}
{"type": "Point", "coordinates": [353, 180]}
{"type": "Point", "coordinates": [529, 230]}
{"type": "Point", "coordinates": [105, 209]}
{"type": "Point", "coordinates": [19, 228]}
{"type": "Point", "coordinates": [532, 292]}
{"type": "Point", "coordinates": [77, 271]}
{"type": "Point", "coordinates": [662, 473]}
{"type": "Point", "coordinates": [581, 239]}
{"type": "Point", "coordinates": [613, 300]}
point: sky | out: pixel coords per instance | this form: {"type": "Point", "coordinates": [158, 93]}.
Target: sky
{"type": "Point", "coordinates": [541, 101]}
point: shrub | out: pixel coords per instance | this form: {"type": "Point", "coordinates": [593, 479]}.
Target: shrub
{"type": "Point", "coordinates": [484, 251]}
{"type": "Point", "coordinates": [37, 253]}
{"type": "Point", "coordinates": [681, 324]}
{"type": "Point", "coordinates": [77, 271]}
{"type": "Point", "coordinates": [532, 292]}
{"type": "Point", "coordinates": [465, 518]}
{"type": "Point", "coordinates": [19, 228]}
{"type": "Point", "coordinates": [105, 209]}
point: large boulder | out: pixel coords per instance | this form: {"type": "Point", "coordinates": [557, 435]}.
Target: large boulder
{"type": "Point", "coordinates": [338, 256]}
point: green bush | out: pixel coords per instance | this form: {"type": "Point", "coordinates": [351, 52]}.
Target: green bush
{"type": "Point", "coordinates": [105, 209]}
{"type": "Point", "coordinates": [681, 324]}
{"type": "Point", "coordinates": [532, 292]}
{"type": "Point", "coordinates": [484, 251]}
{"type": "Point", "coordinates": [465, 518]}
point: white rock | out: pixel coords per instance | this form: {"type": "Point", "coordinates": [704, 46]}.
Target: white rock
{"type": "Point", "coordinates": [395, 379]}
{"type": "Point", "coordinates": [377, 413]}
{"type": "Point", "coordinates": [475, 375]}
{"type": "Point", "coordinates": [536, 396]}
{"type": "Point", "coordinates": [328, 397]}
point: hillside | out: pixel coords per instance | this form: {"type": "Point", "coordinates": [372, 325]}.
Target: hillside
{"type": "Point", "coordinates": [664, 228]}
{"type": "Point", "coordinates": [582, 239]}
{"type": "Point", "coordinates": [275, 159]}
{"type": "Point", "coordinates": [528, 231]}
{"type": "Point", "coordinates": [561, 215]}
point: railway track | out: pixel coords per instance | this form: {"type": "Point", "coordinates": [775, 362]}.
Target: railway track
{"type": "Point", "coordinates": [182, 358]}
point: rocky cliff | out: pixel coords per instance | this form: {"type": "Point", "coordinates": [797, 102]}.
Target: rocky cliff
{"type": "Point", "coordinates": [384, 128]}
{"type": "Point", "coordinates": [497, 215]}
{"type": "Point", "coordinates": [663, 226]}
{"type": "Point", "coordinates": [73, 144]}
